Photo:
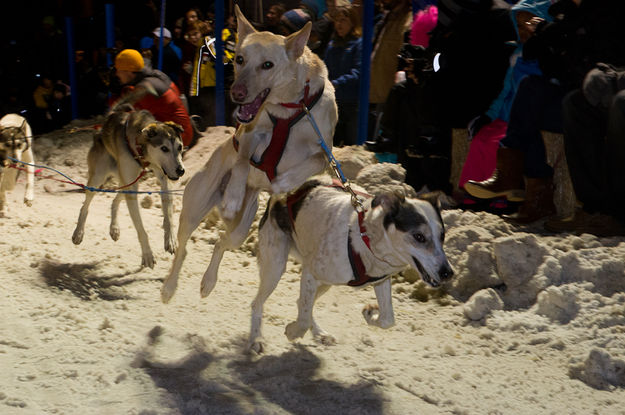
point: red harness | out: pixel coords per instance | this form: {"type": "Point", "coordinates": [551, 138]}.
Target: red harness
{"type": "Point", "coordinates": [361, 277]}
{"type": "Point", "coordinates": [280, 135]}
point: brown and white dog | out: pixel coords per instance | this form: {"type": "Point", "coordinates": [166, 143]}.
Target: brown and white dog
{"type": "Point", "coordinates": [15, 142]}
{"type": "Point", "coordinates": [274, 149]}
{"type": "Point", "coordinates": [128, 143]}
{"type": "Point", "coordinates": [336, 246]}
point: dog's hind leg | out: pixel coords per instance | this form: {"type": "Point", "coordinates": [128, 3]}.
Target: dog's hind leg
{"type": "Point", "coordinates": [237, 231]}
{"type": "Point", "coordinates": [273, 252]}
{"type": "Point", "coordinates": [305, 303]}
{"type": "Point", "coordinates": [114, 228]}
{"type": "Point", "coordinates": [200, 195]}
{"type": "Point", "coordinates": [382, 315]}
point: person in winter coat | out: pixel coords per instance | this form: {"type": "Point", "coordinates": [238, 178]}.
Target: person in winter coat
{"type": "Point", "coordinates": [594, 141]}
{"type": "Point", "coordinates": [581, 34]}
{"type": "Point", "coordinates": [487, 130]}
{"type": "Point", "coordinates": [152, 90]}
{"type": "Point", "coordinates": [343, 57]}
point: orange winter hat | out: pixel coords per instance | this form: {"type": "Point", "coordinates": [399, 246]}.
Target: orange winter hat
{"type": "Point", "coordinates": [129, 60]}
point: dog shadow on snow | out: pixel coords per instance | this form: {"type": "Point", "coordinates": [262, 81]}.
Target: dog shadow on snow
{"type": "Point", "coordinates": [202, 382]}
{"type": "Point", "coordinates": [86, 281]}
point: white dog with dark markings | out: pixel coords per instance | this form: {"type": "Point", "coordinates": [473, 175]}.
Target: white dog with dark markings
{"type": "Point", "coordinates": [15, 142]}
{"type": "Point", "coordinates": [321, 228]}
{"type": "Point", "coordinates": [128, 143]}
{"type": "Point", "coordinates": [274, 77]}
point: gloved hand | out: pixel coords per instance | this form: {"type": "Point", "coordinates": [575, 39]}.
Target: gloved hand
{"type": "Point", "coordinates": [476, 124]}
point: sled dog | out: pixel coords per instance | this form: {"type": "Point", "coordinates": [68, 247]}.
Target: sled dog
{"type": "Point", "coordinates": [129, 143]}
{"type": "Point", "coordinates": [15, 142]}
{"type": "Point", "coordinates": [345, 248]}
{"type": "Point", "coordinates": [274, 149]}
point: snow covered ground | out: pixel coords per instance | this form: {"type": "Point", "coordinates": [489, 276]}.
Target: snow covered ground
{"type": "Point", "coordinates": [532, 323]}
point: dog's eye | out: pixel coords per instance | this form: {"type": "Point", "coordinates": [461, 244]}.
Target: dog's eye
{"type": "Point", "coordinates": [419, 237]}
{"type": "Point", "coordinates": [239, 60]}
{"type": "Point", "coordinates": [267, 65]}
{"type": "Point", "coordinates": [164, 149]}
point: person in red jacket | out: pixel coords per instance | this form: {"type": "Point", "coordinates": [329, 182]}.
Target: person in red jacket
{"type": "Point", "coordinates": [152, 90]}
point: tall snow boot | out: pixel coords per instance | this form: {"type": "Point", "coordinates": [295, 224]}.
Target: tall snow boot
{"type": "Point", "coordinates": [538, 202]}
{"type": "Point", "coordinates": [506, 181]}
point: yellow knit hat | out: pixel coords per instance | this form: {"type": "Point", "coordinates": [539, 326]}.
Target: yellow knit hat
{"type": "Point", "coordinates": [129, 60]}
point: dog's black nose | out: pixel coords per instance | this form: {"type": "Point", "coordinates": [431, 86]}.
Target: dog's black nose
{"type": "Point", "coordinates": [445, 273]}
{"type": "Point", "coordinates": [180, 171]}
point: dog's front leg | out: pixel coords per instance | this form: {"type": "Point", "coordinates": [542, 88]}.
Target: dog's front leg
{"type": "Point", "coordinates": [168, 213]}
{"type": "Point", "coordinates": [307, 294]}
{"type": "Point", "coordinates": [381, 315]}
{"type": "Point", "coordinates": [235, 189]}
{"type": "Point", "coordinates": [147, 258]}
{"type": "Point", "coordinates": [319, 334]}
{"type": "Point", "coordinates": [114, 227]}
{"type": "Point", "coordinates": [29, 193]}
{"type": "Point", "coordinates": [237, 231]}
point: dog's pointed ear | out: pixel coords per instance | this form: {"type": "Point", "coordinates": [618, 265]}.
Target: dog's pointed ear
{"type": "Point", "coordinates": [434, 198]}
{"type": "Point", "coordinates": [296, 42]}
{"type": "Point", "coordinates": [388, 201]}
{"type": "Point", "coordinates": [244, 27]}
{"type": "Point", "coordinates": [23, 126]}
{"type": "Point", "coordinates": [177, 127]}
{"type": "Point", "coordinates": [149, 130]}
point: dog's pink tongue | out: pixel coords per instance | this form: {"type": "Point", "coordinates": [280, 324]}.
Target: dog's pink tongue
{"type": "Point", "coordinates": [247, 112]}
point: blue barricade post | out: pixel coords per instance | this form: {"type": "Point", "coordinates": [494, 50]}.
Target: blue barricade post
{"type": "Point", "coordinates": [110, 32]}
{"type": "Point", "coordinates": [160, 38]}
{"type": "Point", "coordinates": [69, 33]}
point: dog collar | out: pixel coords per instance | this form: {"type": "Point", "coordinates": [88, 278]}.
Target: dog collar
{"type": "Point", "coordinates": [361, 278]}
{"type": "Point", "coordinates": [303, 101]}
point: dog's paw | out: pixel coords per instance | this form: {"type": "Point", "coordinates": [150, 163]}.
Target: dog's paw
{"type": "Point", "coordinates": [325, 338]}
{"type": "Point", "coordinates": [294, 331]}
{"type": "Point", "coordinates": [168, 289]}
{"type": "Point", "coordinates": [28, 201]}
{"type": "Point", "coordinates": [170, 244]}
{"type": "Point", "coordinates": [77, 236]}
{"type": "Point", "coordinates": [114, 232]}
{"type": "Point", "coordinates": [257, 346]}
{"type": "Point", "coordinates": [148, 260]}
{"type": "Point", "coordinates": [207, 286]}
{"type": "Point", "coordinates": [371, 313]}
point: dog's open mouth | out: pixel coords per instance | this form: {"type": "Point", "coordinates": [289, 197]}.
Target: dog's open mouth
{"type": "Point", "coordinates": [425, 276]}
{"type": "Point", "coordinates": [246, 112]}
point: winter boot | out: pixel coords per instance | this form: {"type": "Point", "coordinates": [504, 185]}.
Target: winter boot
{"type": "Point", "coordinates": [507, 179]}
{"type": "Point", "coordinates": [538, 201]}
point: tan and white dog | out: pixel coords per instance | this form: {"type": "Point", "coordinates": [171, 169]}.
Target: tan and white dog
{"type": "Point", "coordinates": [320, 227]}
{"type": "Point", "coordinates": [15, 142]}
{"type": "Point", "coordinates": [274, 76]}
{"type": "Point", "coordinates": [129, 143]}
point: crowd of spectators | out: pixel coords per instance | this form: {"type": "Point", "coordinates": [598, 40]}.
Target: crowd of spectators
{"type": "Point", "coordinates": [506, 70]}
